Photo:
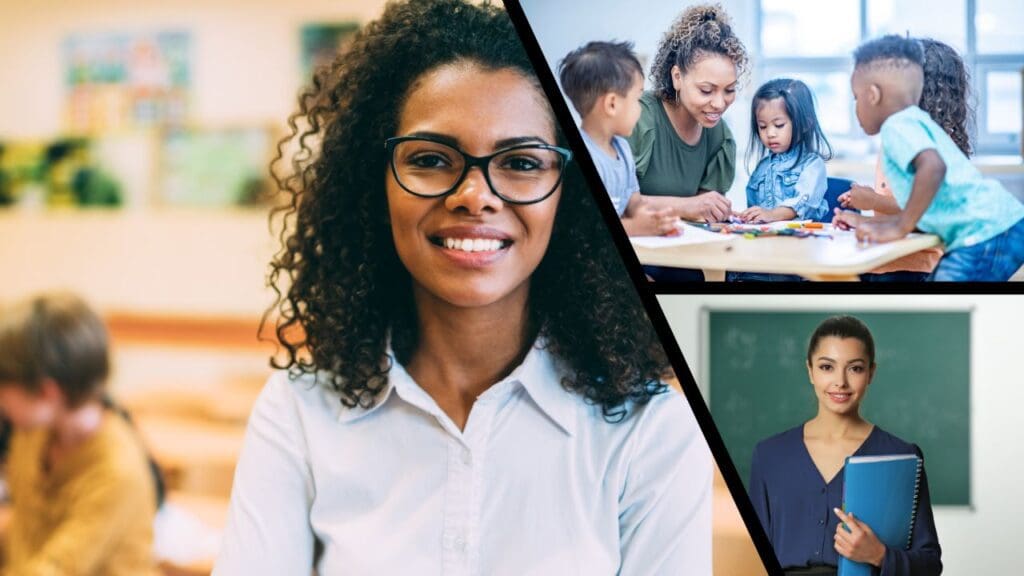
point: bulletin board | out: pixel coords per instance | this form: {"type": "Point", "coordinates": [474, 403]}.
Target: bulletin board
{"type": "Point", "coordinates": [125, 80]}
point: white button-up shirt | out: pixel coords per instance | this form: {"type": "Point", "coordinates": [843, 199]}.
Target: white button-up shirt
{"type": "Point", "coordinates": [537, 483]}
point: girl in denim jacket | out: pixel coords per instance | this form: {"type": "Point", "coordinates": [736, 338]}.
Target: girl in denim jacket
{"type": "Point", "coordinates": [789, 181]}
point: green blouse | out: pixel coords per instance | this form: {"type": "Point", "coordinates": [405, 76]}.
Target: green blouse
{"type": "Point", "coordinates": [667, 166]}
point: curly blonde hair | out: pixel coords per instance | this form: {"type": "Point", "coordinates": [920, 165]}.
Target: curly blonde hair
{"type": "Point", "coordinates": [700, 30]}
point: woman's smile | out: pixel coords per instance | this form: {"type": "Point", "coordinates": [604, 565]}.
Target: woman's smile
{"type": "Point", "coordinates": [469, 247]}
{"type": "Point", "coordinates": [472, 246]}
{"type": "Point", "coordinates": [840, 397]}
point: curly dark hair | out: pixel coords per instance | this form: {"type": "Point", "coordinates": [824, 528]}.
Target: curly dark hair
{"type": "Point", "coordinates": [342, 291]}
{"type": "Point", "coordinates": [946, 94]}
{"type": "Point", "coordinates": [700, 30]}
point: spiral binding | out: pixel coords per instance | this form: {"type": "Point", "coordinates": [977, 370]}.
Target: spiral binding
{"type": "Point", "coordinates": [913, 512]}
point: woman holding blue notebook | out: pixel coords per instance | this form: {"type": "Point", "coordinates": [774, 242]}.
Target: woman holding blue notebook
{"type": "Point", "coordinates": [797, 476]}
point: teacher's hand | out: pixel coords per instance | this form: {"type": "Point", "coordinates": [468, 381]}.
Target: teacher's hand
{"type": "Point", "coordinates": [708, 207]}
{"type": "Point", "coordinates": [859, 543]}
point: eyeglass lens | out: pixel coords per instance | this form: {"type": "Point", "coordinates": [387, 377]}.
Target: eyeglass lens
{"type": "Point", "coordinates": [521, 174]}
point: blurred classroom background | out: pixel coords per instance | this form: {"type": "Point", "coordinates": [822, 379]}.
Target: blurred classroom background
{"type": "Point", "coordinates": [814, 41]}
{"type": "Point", "coordinates": [134, 144]}
{"type": "Point", "coordinates": [135, 141]}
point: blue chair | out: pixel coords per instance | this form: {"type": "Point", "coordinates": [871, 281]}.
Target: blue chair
{"type": "Point", "coordinates": [836, 186]}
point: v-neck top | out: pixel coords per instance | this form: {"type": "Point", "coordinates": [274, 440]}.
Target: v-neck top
{"type": "Point", "coordinates": [794, 504]}
{"type": "Point", "coordinates": [668, 166]}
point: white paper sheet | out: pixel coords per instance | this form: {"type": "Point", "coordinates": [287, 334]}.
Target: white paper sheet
{"type": "Point", "coordinates": [690, 235]}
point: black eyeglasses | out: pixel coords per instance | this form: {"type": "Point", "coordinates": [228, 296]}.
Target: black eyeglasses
{"type": "Point", "coordinates": [522, 174]}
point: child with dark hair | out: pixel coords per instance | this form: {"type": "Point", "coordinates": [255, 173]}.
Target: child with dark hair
{"type": "Point", "coordinates": [604, 81]}
{"type": "Point", "coordinates": [936, 187]}
{"type": "Point", "coordinates": [80, 482]}
{"type": "Point", "coordinates": [789, 181]}
{"type": "Point", "coordinates": [945, 97]}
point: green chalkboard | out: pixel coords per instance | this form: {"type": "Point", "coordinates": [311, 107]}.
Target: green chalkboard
{"type": "Point", "coordinates": [758, 385]}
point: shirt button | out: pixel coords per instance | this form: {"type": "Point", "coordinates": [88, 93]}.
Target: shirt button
{"type": "Point", "coordinates": [467, 457]}
{"type": "Point", "coordinates": [460, 544]}
{"type": "Point", "coordinates": [821, 522]}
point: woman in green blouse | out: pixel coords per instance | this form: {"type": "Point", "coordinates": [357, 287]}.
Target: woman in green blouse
{"type": "Point", "coordinates": [685, 154]}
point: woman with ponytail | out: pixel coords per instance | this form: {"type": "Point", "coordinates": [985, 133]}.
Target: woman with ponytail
{"type": "Point", "coordinates": [685, 153]}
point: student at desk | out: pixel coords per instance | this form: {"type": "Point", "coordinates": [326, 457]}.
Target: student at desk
{"type": "Point", "coordinates": [470, 384]}
{"type": "Point", "coordinates": [796, 477]}
{"type": "Point", "coordinates": [83, 492]}
{"type": "Point", "coordinates": [945, 97]}
{"type": "Point", "coordinates": [936, 187]}
{"type": "Point", "coordinates": [685, 153]}
{"type": "Point", "coordinates": [789, 181]}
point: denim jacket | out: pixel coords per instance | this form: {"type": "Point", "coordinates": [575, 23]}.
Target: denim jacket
{"type": "Point", "coordinates": [777, 182]}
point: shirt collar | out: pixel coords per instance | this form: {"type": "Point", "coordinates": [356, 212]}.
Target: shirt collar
{"type": "Point", "coordinates": [540, 374]}
{"type": "Point", "coordinates": [787, 155]}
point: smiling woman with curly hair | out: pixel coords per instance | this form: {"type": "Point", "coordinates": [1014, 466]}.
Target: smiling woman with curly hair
{"type": "Point", "coordinates": [469, 381]}
{"type": "Point", "coordinates": [685, 153]}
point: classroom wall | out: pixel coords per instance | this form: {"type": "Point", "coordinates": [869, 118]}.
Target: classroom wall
{"type": "Point", "coordinates": [980, 540]}
{"type": "Point", "coordinates": [246, 70]}
{"type": "Point", "coordinates": [177, 263]}
{"type": "Point", "coordinates": [245, 59]}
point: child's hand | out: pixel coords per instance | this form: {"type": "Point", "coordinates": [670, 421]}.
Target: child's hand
{"type": "Point", "coordinates": [881, 229]}
{"type": "Point", "coordinates": [847, 220]}
{"type": "Point", "coordinates": [752, 214]}
{"type": "Point", "coordinates": [661, 221]}
{"type": "Point", "coordinates": [859, 198]}
{"type": "Point", "coordinates": [758, 214]}
{"type": "Point", "coordinates": [649, 221]}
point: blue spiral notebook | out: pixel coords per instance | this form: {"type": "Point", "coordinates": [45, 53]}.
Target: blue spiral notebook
{"type": "Point", "coordinates": [881, 491]}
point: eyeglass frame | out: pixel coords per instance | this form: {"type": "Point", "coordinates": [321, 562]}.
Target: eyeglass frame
{"type": "Point", "coordinates": [483, 162]}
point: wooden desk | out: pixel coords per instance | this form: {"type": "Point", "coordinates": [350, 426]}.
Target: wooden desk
{"type": "Point", "coordinates": [839, 258]}
{"type": "Point", "coordinates": [197, 457]}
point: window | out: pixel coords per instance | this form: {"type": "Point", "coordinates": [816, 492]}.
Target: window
{"type": "Point", "coordinates": [1000, 26]}
{"type": "Point", "coordinates": [793, 28]}
{"type": "Point", "coordinates": [832, 97]}
{"type": "Point", "coordinates": [916, 18]}
{"type": "Point", "coordinates": [814, 41]}
{"type": "Point", "coordinates": [1003, 112]}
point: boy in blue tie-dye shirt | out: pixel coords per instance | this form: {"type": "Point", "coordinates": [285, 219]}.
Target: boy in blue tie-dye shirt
{"type": "Point", "coordinates": [937, 188]}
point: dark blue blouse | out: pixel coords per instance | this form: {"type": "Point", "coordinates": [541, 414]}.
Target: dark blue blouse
{"type": "Point", "coordinates": [795, 505]}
